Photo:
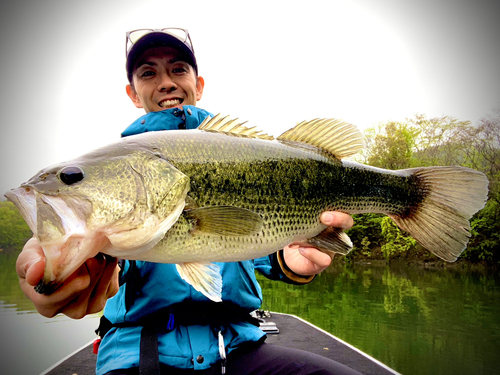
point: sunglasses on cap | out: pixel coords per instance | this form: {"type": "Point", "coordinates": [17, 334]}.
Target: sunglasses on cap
{"type": "Point", "coordinates": [134, 36]}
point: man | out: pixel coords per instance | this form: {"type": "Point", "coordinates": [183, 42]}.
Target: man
{"type": "Point", "coordinates": [155, 321]}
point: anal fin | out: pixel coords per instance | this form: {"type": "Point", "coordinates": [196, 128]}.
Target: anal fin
{"type": "Point", "coordinates": [332, 240]}
{"type": "Point", "coordinates": [204, 277]}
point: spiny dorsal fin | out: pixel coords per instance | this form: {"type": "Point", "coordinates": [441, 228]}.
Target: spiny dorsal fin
{"type": "Point", "coordinates": [335, 136]}
{"type": "Point", "coordinates": [231, 126]}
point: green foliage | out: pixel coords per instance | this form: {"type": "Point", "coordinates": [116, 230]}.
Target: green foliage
{"type": "Point", "coordinates": [13, 229]}
{"type": "Point", "coordinates": [392, 146]}
{"type": "Point", "coordinates": [484, 244]}
{"type": "Point", "coordinates": [376, 236]}
{"type": "Point", "coordinates": [394, 241]}
{"type": "Point", "coordinates": [421, 142]}
{"type": "Point", "coordinates": [365, 233]}
{"type": "Point", "coordinates": [436, 140]}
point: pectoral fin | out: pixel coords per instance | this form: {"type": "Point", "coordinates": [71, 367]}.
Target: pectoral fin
{"type": "Point", "coordinates": [225, 220]}
{"type": "Point", "coordinates": [204, 277]}
{"type": "Point", "coordinates": [332, 240]}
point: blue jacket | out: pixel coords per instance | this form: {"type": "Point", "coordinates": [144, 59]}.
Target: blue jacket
{"type": "Point", "coordinates": [189, 117]}
{"type": "Point", "coordinates": [147, 287]}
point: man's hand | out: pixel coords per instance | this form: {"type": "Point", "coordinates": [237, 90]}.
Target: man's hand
{"type": "Point", "coordinates": [308, 261]}
{"type": "Point", "coordinates": [84, 292]}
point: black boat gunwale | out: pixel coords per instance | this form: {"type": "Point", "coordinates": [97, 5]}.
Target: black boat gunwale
{"type": "Point", "coordinates": [311, 338]}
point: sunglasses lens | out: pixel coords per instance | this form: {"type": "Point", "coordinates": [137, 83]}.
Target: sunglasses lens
{"type": "Point", "coordinates": [138, 34]}
{"type": "Point", "coordinates": [134, 36]}
{"type": "Point", "coordinates": [178, 33]}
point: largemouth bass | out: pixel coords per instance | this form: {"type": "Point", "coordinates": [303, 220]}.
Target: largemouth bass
{"type": "Point", "coordinates": [225, 193]}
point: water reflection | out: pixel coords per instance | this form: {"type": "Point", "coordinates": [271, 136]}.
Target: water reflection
{"type": "Point", "coordinates": [31, 343]}
{"type": "Point", "coordinates": [10, 293]}
{"type": "Point", "coordinates": [416, 320]}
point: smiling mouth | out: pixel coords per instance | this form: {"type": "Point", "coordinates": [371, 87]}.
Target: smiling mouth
{"type": "Point", "coordinates": [170, 103]}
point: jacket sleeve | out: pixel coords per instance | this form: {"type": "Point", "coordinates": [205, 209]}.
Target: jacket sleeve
{"type": "Point", "coordinates": [274, 267]}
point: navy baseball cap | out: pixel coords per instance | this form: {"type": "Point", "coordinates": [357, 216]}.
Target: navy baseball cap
{"type": "Point", "coordinates": [138, 41]}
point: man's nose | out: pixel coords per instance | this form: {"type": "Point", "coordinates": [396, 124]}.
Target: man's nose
{"type": "Point", "coordinates": [166, 83]}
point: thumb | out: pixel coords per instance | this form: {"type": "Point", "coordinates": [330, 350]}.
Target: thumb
{"type": "Point", "coordinates": [30, 264]}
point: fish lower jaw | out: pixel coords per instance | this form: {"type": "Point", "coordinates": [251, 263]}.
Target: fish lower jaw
{"type": "Point", "coordinates": [65, 258]}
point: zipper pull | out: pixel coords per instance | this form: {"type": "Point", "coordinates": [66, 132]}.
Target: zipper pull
{"type": "Point", "coordinates": [222, 352]}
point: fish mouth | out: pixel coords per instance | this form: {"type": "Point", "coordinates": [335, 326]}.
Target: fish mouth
{"type": "Point", "coordinates": [24, 200]}
{"type": "Point", "coordinates": [170, 103]}
{"type": "Point", "coordinates": [61, 231]}
{"type": "Point", "coordinates": [46, 287]}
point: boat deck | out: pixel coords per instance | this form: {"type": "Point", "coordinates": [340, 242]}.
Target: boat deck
{"type": "Point", "coordinates": [293, 332]}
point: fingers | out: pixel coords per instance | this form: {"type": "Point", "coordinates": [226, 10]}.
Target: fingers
{"type": "Point", "coordinates": [83, 284]}
{"type": "Point", "coordinates": [315, 261]}
{"type": "Point", "coordinates": [106, 287]}
{"type": "Point", "coordinates": [84, 292]}
{"type": "Point", "coordinates": [64, 297]}
{"type": "Point", "coordinates": [305, 261]}
{"type": "Point", "coordinates": [319, 259]}
{"type": "Point", "coordinates": [98, 272]}
{"type": "Point", "coordinates": [337, 219]}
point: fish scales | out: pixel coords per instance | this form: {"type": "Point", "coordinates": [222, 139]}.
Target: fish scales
{"type": "Point", "coordinates": [226, 192]}
{"type": "Point", "coordinates": [288, 187]}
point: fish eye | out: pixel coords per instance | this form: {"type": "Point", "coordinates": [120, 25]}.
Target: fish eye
{"type": "Point", "coordinates": [71, 175]}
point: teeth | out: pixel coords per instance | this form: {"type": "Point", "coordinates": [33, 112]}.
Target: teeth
{"type": "Point", "coordinates": [170, 103]}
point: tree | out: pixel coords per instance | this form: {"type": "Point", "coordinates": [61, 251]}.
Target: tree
{"type": "Point", "coordinates": [438, 141]}
{"type": "Point", "coordinates": [421, 141]}
{"type": "Point", "coordinates": [484, 153]}
{"type": "Point", "coordinates": [392, 146]}
{"type": "Point", "coordinates": [13, 229]}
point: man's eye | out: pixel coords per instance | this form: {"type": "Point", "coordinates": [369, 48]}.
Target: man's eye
{"type": "Point", "coordinates": [148, 74]}
{"type": "Point", "coordinates": [179, 70]}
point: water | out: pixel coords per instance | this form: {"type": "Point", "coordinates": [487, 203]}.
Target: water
{"type": "Point", "coordinates": [417, 321]}
{"type": "Point", "coordinates": [29, 342]}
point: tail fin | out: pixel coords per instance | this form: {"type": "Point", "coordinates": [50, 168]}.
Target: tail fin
{"type": "Point", "coordinates": [440, 222]}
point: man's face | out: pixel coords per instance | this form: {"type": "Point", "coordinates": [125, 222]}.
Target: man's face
{"type": "Point", "coordinates": [161, 80]}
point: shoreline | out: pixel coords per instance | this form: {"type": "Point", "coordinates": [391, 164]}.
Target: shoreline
{"type": "Point", "coordinates": [431, 264]}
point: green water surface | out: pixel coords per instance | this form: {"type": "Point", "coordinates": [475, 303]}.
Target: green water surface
{"type": "Point", "coordinates": [415, 320]}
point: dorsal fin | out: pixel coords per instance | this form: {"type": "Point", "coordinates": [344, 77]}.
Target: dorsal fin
{"type": "Point", "coordinates": [335, 136]}
{"type": "Point", "coordinates": [231, 126]}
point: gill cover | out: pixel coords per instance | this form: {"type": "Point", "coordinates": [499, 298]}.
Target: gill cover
{"type": "Point", "coordinates": [161, 194]}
